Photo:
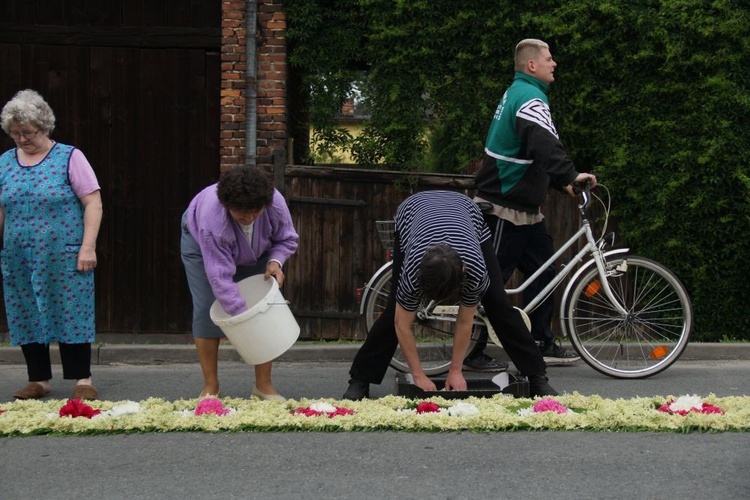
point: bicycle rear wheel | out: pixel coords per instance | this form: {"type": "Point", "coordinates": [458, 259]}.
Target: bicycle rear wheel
{"type": "Point", "coordinates": [649, 338]}
{"type": "Point", "coordinates": [434, 336]}
{"type": "Point", "coordinates": [376, 297]}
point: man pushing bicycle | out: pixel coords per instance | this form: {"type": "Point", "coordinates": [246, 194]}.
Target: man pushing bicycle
{"type": "Point", "coordinates": [523, 158]}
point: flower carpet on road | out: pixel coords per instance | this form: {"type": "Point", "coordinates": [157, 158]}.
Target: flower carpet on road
{"type": "Point", "coordinates": [392, 413]}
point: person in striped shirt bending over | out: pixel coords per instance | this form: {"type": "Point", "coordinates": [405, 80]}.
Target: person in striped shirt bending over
{"type": "Point", "coordinates": [443, 252]}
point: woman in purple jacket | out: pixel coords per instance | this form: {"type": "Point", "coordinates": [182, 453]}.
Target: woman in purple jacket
{"type": "Point", "coordinates": [231, 230]}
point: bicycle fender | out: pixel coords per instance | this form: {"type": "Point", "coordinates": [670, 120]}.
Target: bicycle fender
{"type": "Point", "coordinates": [585, 267]}
{"type": "Point", "coordinates": [383, 269]}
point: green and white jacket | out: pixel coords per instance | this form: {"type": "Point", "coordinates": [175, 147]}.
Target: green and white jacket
{"type": "Point", "coordinates": [523, 153]}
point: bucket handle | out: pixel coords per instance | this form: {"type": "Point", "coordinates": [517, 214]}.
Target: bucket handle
{"type": "Point", "coordinates": [285, 303]}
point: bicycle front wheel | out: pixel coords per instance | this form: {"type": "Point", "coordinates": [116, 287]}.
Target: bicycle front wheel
{"type": "Point", "coordinates": [433, 333]}
{"type": "Point", "coordinates": [645, 341]}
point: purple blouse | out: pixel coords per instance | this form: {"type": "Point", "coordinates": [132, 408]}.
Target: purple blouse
{"type": "Point", "coordinates": [82, 177]}
{"type": "Point", "coordinates": [224, 245]}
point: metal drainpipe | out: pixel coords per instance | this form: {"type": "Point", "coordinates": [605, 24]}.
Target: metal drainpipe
{"type": "Point", "coordinates": [251, 93]}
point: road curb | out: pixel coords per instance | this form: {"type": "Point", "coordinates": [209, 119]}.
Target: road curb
{"type": "Point", "coordinates": [106, 354]}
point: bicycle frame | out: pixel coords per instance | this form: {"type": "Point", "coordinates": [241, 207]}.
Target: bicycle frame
{"type": "Point", "coordinates": [591, 247]}
{"type": "Point", "coordinates": [635, 323]}
{"type": "Point", "coordinates": [594, 250]}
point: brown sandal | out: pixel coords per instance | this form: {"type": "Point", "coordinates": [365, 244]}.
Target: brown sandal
{"type": "Point", "coordinates": [85, 391]}
{"type": "Point", "coordinates": [32, 390]}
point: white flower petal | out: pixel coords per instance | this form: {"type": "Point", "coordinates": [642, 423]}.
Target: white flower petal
{"type": "Point", "coordinates": [323, 407]}
{"type": "Point", "coordinates": [463, 409]}
{"type": "Point", "coordinates": [686, 403]}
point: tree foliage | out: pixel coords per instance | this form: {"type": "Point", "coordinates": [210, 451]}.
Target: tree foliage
{"type": "Point", "coordinates": [652, 95]}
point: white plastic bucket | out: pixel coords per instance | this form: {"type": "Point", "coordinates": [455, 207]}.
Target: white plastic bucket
{"type": "Point", "coordinates": [267, 329]}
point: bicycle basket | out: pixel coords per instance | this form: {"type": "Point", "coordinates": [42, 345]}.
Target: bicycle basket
{"type": "Point", "coordinates": [385, 232]}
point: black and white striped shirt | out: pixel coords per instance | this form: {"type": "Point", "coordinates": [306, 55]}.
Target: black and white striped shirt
{"type": "Point", "coordinates": [432, 217]}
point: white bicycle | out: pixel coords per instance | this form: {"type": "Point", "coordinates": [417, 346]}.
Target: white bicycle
{"type": "Point", "coordinates": [626, 316]}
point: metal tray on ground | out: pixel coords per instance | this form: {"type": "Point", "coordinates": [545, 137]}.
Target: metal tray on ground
{"type": "Point", "coordinates": [517, 386]}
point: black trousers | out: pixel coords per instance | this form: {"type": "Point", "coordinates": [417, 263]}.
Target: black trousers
{"type": "Point", "coordinates": [525, 248]}
{"type": "Point", "coordinates": [373, 358]}
{"type": "Point", "coordinates": [75, 358]}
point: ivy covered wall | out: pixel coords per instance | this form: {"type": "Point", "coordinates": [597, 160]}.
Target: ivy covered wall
{"type": "Point", "coordinates": [651, 95]}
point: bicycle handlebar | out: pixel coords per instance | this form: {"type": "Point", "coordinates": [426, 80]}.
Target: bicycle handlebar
{"type": "Point", "coordinates": [583, 189]}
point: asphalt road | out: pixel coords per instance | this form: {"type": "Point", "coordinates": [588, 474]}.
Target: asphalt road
{"type": "Point", "coordinates": [379, 464]}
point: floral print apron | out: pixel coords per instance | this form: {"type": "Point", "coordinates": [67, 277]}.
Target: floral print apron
{"type": "Point", "coordinates": [46, 298]}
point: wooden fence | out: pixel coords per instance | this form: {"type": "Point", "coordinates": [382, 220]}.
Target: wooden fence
{"type": "Point", "coordinates": [334, 211]}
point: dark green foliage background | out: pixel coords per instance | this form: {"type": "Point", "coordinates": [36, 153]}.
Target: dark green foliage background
{"type": "Point", "coordinates": [651, 95]}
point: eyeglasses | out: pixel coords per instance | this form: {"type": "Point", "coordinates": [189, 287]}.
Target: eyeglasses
{"type": "Point", "coordinates": [26, 135]}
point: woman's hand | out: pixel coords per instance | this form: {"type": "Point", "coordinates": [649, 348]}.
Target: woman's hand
{"type": "Point", "coordinates": [274, 269]}
{"type": "Point", "coordinates": [86, 259]}
{"type": "Point", "coordinates": [92, 218]}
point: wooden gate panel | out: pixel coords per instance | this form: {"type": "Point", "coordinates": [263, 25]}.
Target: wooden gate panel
{"type": "Point", "coordinates": [135, 85]}
{"type": "Point", "coordinates": [335, 212]}
{"type": "Point", "coordinates": [320, 276]}
{"type": "Point", "coordinates": [96, 141]}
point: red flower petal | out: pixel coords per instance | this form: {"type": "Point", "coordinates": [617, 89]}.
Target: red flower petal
{"type": "Point", "coordinates": [77, 408]}
{"type": "Point", "coordinates": [309, 412]}
{"type": "Point", "coordinates": [428, 407]}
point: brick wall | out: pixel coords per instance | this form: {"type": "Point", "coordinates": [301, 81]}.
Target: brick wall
{"type": "Point", "coordinates": [270, 82]}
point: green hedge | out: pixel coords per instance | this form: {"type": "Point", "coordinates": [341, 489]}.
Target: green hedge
{"type": "Point", "coordinates": [653, 96]}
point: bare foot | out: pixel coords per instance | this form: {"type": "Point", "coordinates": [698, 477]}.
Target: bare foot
{"type": "Point", "coordinates": [210, 392]}
{"type": "Point", "coordinates": [266, 388]}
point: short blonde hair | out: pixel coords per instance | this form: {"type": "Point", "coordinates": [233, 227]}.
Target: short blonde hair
{"type": "Point", "coordinates": [28, 107]}
{"type": "Point", "coordinates": [526, 50]}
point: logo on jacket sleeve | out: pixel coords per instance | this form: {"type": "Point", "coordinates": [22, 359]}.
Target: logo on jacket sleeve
{"type": "Point", "coordinates": [538, 112]}
{"type": "Point", "coordinates": [500, 107]}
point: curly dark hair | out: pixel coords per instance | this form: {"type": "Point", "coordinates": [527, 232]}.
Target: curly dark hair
{"type": "Point", "coordinates": [245, 188]}
{"type": "Point", "coordinates": [441, 273]}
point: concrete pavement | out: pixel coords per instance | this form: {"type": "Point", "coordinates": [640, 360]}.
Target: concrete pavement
{"type": "Point", "coordinates": [181, 350]}
{"type": "Point", "coordinates": [377, 465]}
{"type": "Point", "coordinates": [372, 465]}
{"type": "Point", "coordinates": [312, 370]}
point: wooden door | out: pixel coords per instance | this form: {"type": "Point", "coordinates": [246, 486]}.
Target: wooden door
{"type": "Point", "coordinates": [135, 86]}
